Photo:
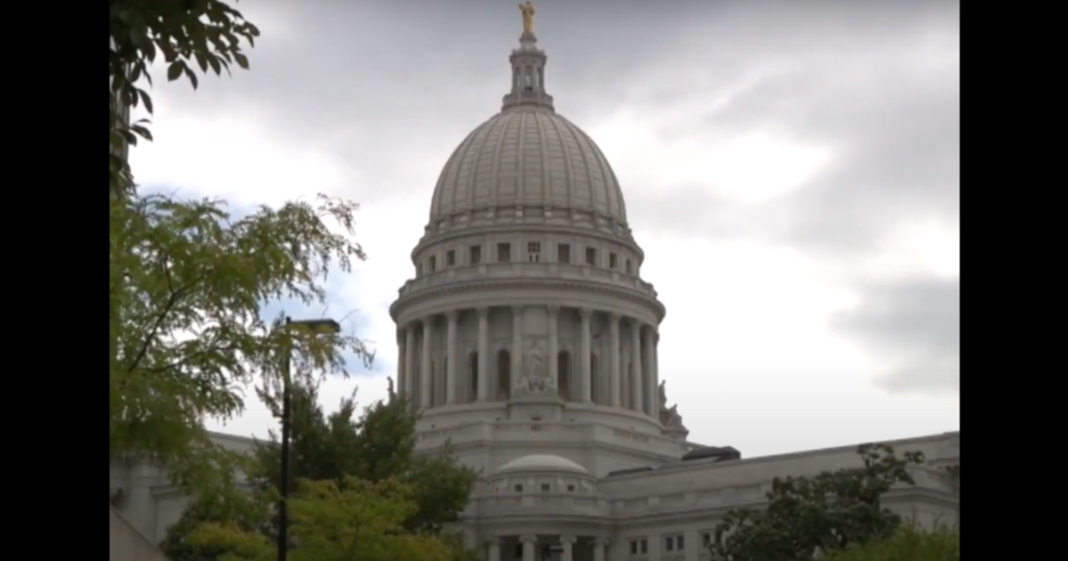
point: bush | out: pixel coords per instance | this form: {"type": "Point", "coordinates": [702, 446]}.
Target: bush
{"type": "Point", "coordinates": [908, 543]}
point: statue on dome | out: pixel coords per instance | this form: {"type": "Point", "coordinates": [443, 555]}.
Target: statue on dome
{"type": "Point", "coordinates": [669, 416]}
{"type": "Point", "coordinates": [535, 380]}
{"type": "Point", "coordinates": [527, 8]}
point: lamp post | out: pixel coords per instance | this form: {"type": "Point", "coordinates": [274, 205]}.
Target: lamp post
{"type": "Point", "coordinates": [315, 326]}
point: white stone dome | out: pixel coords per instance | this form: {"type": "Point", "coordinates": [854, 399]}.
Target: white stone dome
{"type": "Point", "coordinates": [532, 157]}
{"type": "Point", "coordinates": [542, 462]}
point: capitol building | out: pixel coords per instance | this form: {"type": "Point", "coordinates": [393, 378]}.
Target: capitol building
{"type": "Point", "coordinates": [528, 337]}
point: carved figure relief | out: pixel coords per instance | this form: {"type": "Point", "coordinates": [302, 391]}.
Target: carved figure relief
{"type": "Point", "coordinates": [535, 379]}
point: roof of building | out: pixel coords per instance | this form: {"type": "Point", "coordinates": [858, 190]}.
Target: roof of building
{"type": "Point", "coordinates": [542, 462]}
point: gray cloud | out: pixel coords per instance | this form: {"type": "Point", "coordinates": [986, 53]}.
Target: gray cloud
{"type": "Point", "coordinates": [916, 325]}
{"type": "Point", "coordinates": [391, 88]}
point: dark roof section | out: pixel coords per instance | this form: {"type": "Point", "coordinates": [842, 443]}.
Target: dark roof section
{"type": "Point", "coordinates": [715, 453]}
{"type": "Point", "coordinates": [629, 470]}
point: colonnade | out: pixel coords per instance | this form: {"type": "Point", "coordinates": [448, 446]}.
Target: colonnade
{"type": "Point", "coordinates": [530, 547]}
{"type": "Point", "coordinates": [634, 389]}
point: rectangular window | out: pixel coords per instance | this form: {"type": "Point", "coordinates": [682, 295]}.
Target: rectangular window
{"type": "Point", "coordinates": [518, 488]}
{"type": "Point", "coordinates": [476, 254]}
{"type": "Point", "coordinates": [591, 256]}
{"type": "Point", "coordinates": [674, 543]}
{"type": "Point", "coordinates": [570, 488]}
{"type": "Point", "coordinates": [563, 253]}
{"type": "Point", "coordinates": [450, 258]}
{"type": "Point", "coordinates": [534, 252]}
{"type": "Point", "coordinates": [629, 267]}
{"type": "Point", "coordinates": [639, 546]}
{"type": "Point", "coordinates": [504, 253]}
{"type": "Point", "coordinates": [432, 263]}
{"type": "Point", "coordinates": [706, 539]}
{"type": "Point", "coordinates": [545, 487]}
{"type": "Point", "coordinates": [613, 261]}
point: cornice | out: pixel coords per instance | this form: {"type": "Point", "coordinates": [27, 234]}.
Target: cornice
{"type": "Point", "coordinates": [467, 285]}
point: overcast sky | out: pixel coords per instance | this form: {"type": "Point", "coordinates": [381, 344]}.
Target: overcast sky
{"type": "Point", "coordinates": [791, 170]}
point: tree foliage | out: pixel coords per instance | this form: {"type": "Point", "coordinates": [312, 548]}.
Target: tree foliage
{"type": "Point", "coordinates": [807, 516]}
{"type": "Point", "coordinates": [188, 282]}
{"type": "Point", "coordinates": [208, 33]}
{"type": "Point", "coordinates": [380, 445]}
{"type": "Point", "coordinates": [335, 457]}
{"type": "Point", "coordinates": [908, 543]}
{"type": "Point", "coordinates": [347, 520]}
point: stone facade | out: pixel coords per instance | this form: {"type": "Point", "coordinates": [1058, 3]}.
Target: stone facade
{"type": "Point", "coordinates": [528, 338]}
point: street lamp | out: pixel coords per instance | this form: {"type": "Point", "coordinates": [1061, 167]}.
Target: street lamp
{"type": "Point", "coordinates": [317, 327]}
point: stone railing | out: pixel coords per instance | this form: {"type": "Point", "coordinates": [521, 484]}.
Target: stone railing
{"type": "Point", "coordinates": [526, 270]}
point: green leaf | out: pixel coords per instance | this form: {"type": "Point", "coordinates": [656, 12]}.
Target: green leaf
{"type": "Point", "coordinates": [174, 71]}
{"type": "Point", "coordinates": [242, 60]}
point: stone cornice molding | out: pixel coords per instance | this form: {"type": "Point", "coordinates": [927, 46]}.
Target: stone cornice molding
{"type": "Point", "coordinates": [432, 292]}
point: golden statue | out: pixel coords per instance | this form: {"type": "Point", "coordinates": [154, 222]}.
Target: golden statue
{"type": "Point", "coordinates": [527, 8]}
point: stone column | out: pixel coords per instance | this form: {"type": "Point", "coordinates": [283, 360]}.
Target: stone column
{"type": "Point", "coordinates": [495, 550]}
{"type": "Point", "coordinates": [650, 369]}
{"type": "Point", "coordinates": [613, 359]}
{"type": "Point", "coordinates": [568, 542]}
{"type": "Point", "coordinates": [426, 400]}
{"type": "Point", "coordinates": [517, 346]}
{"type": "Point", "coordinates": [483, 354]}
{"type": "Point", "coordinates": [410, 369]}
{"type": "Point", "coordinates": [402, 368]}
{"type": "Point", "coordinates": [554, 346]}
{"type": "Point", "coordinates": [635, 364]}
{"type": "Point", "coordinates": [453, 364]}
{"type": "Point", "coordinates": [656, 374]}
{"type": "Point", "coordinates": [599, 545]}
{"type": "Point", "coordinates": [585, 384]}
{"type": "Point", "coordinates": [528, 541]}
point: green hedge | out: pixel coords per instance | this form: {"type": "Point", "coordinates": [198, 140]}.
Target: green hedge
{"type": "Point", "coordinates": [907, 544]}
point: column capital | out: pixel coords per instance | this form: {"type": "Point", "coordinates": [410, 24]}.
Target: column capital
{"type": "Point", "coordinates": [603, 542]}
{"type": "Point", "coordinates": [567, 538]}
{"type": "Point", "coordinates": [517, 309]}
{"type": "Point", "coordinates": [585, 313]}
{"type": "Point", "coordinates": [452, 315]}
{"type": "Point", "coordinates": [411, 326]}
{"type": "Point", "coordinates": [553, 309]}
{"type": "Point", "coordinates": [636, 326]}
{"type": "Point", "coordinates": [427, 320]}
{"type": "Point", "coordinates": [483, 311]}
{"type": "Point", "coordinates": [528, 538]}
{"type": "Point", "coordinates": [614, 317]}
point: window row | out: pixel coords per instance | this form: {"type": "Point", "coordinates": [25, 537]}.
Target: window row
{"type": "Point", "coordinates": [671, 543]}
{"type": "Point", "coordinates": [544, 487]}
{"type": "Point", "coordinates": [534, 254]}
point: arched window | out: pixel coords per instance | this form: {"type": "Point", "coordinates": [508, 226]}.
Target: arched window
{"type": "Point", "coordinates": [595, 376]}
{"type": "Point", "coordinates": [563, 372]}
{"type": "Point", "coordinates": [474, 375]}
{"type": "Point", "coordinates": [504, 375]}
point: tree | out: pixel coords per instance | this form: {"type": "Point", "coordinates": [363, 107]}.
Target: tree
{"type": "Point", "coordinates": [908, 543]}
{"type": "Point", "coordinates": [188, 282]}
{"type": "Point", "coordinates": [208, 32]}
{"type": "Point", "coordinates": [808, 516]}
{"type": "Point", "coordinates": [350, 520]}
{"type": "Point", "coordinates": [380, 445]}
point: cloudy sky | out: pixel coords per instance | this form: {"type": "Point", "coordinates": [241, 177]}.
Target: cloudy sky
{"type": "Point", "coordinates": [791, 170]}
